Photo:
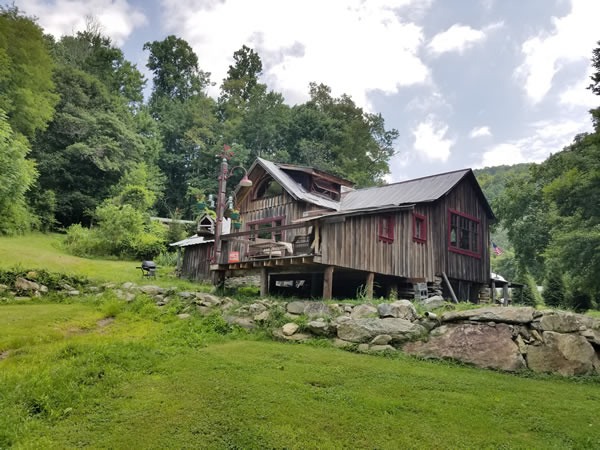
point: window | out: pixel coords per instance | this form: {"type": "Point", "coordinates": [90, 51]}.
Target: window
{"type": "Point", "coordinates": [262, 228]}
{"type": "Point", "coordinates": [386, 229]}
{"type": "Point", "coordinates": [267, 187]}
{"type": "Point", "coordinates": [463, 234]}
{"type": "Point", "coordinates": [419, 228]}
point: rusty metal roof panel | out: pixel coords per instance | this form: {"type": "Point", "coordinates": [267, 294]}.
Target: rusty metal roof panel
{"type": "Point", "coordinates": [420, 190]}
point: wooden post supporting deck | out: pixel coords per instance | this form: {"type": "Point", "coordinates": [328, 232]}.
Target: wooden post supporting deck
{"type": "Point", "coordinates": [505, 292]}
{"type": "Point", "coordinates": [493, 292]}
{"type": "Point", "coordinates": [264, 282]}
{"type": "Point", "coordinates": [328, 283]}
{"type": "Point", "coordinates": [370, 278]}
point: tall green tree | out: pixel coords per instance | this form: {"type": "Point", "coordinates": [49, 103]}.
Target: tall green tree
{"type": "Point", "coordinates": [175, 68]}
{"type": "Point", "coordinates": [26, 87]}
{"type": "Point", "coordinates": [554, 293]}
{"type": "Point", "coordinates": [341, 136]}
{"type": "Point", "coordinates": [94, 54]}
{"type": "Point", "coordinates": [91, 142]}
{"type": "Point", "coordinates": [17, 174]}
{"type": "Point", "coordinates": [191, 132]}
{"type": "Point", "coordinates": [242, 78]}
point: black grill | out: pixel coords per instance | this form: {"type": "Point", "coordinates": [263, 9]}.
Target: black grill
{"type": "Point", "coordinates": [148, 269]}
{"type": "Point", "coordinates": [147, 265]}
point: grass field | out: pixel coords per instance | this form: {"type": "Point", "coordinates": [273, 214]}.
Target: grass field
{"type": "Point", "coordinates": [43, 251]}
{"type": "Point", "coordinates": [142, 382]}
{"type": "Point", "coordinates": [96, 372]}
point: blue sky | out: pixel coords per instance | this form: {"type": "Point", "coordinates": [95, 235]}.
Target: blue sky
{"type": "Point", "coordinates": [466, 83]}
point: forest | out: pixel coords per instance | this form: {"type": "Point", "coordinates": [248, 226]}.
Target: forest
{"type": "Point", "coordinates": [82, 151]}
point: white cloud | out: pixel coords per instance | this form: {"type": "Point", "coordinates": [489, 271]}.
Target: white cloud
{"type": "Point", "coordinates": [458, 38]}
{"type": "Point", "coordinates": [578, 94]}
{"type": "Point", "coordinates": [572, 39]}
{"type": "Point", "coordinates": [545, 137]}
{"type": "Point", "coordinates": [502, 154]}
{"type": "Point", "coordinates": [354, 46]}
{"type": "Point", "coordinates": [430, 140]}
{"type": "Point", "coordinates": [480, 131]}
{"type": "Point", "coordinates": [62, 17]}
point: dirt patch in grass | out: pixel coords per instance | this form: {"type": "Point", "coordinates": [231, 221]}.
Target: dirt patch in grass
{"type": "Point", "coordinates": [105, 322]}
{"type": "Point", "coordinates": [4, 354]}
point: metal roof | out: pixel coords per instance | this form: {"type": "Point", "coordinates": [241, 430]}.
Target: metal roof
{"type": "Point", "coordinates": [419, 190]}
{"type": "Point", "coordinates": [194, 240]}
{"type": "Point", "coordinates": [295, 189]}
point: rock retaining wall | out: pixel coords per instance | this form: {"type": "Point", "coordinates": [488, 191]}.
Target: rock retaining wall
{"type": "Point", "coordinates": [503, 338]}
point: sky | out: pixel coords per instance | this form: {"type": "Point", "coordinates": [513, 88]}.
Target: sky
{"type": "Point", "coordinates": [466, 83]}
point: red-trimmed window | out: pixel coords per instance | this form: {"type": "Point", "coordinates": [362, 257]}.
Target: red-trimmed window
{"type": "Point", "coordinates": [464, 235]}
{"type": "Point", "coordinates": [386, 228]}
{"type": "Point", "coordinates": [262, 228]}
{"type": "Point", "coordinates": [419, 228]}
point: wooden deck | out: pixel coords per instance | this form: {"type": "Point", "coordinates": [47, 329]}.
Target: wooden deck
{"type": "Point", "coordinates": [278, 262]}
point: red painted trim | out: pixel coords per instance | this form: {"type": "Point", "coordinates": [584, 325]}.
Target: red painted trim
{"type": "Point", "coordinates": [389, 238]}
{"type": "Point", "coordinates": [460, 250]}
{"type": "Point", "coordinates": [423, 229]}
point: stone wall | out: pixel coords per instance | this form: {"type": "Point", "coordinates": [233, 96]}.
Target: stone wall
{"type": "Point", "coordinates": [503, 338]}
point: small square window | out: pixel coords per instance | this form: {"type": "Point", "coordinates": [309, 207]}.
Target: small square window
{"type": "Point", "coordinates": [419, 228]}
{"type": "Point", "coordinates": [386, 228]}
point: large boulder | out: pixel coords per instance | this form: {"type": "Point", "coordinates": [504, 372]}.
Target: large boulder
{"type": "Point", "coordinates": [364, 310]}
{"type": "Point", "coordinates": [400, 309]}
{"type": "Point", "coordinates": [477, 344]}
{"type": "Point", "coordinates": [206, 299]}
{"type": "Point", "coordinates": [365, 330]}
{"type": "Point", "coordinates": [320, 328]}
{"type": "Point", "coordinates": [561, 322]}
{"type": "Point", "coordinates": [566, 354]}
{"type": "Point", "coordinates": [431, 303]}
{"type": "Point", "coordinates": [501, 314]}
{"type": "Point", "coordinates": [152, 290]}
{"type": "Point", "coordinates": [296, 307]}
{"type": "Point", "coordinates": [296, 337]}
{"type": "Point", "coordinates": [289, 328]}
{"type": "Point", "coordinates": [21, 284]}
{"type": "Point", "coordinates": [592, 336]}
{"type": "Point", "coordinates": [318, 309]}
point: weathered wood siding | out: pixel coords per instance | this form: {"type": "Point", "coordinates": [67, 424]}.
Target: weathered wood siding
{"type": "Point", "coordinates": [253, 210]}
{"type": "Point", "coordinates": [463, 198]}
{"type": "Point", "coordinates": [355, 244]}
{"type": "Point", "coordinates": [196, 262]}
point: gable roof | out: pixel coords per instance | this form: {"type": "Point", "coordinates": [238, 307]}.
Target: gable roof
{"type": "Point", "coordinates": [419, 190]}
{"type": "Point", "coordinates": [296, 190]}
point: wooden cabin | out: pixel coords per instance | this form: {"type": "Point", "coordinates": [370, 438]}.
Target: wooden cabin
{"type": "Point", "coordinates": [310, 233]}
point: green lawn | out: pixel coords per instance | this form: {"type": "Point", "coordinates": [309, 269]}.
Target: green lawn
{"type": "Point", "coordinates": [150, 380]}
{"type": "Point", "coordinates": [38, 250]}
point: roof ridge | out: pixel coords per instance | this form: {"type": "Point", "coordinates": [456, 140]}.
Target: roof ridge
{"type": "Point", "coordinates": [412, 179]}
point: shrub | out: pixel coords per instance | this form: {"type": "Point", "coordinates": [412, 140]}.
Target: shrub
{"type": "Point", "coordinates": [554, 287]}
{"type": "Point", "coordinates": [121, 231]}
{"type": "Point", "coordinates": [529, 293]}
